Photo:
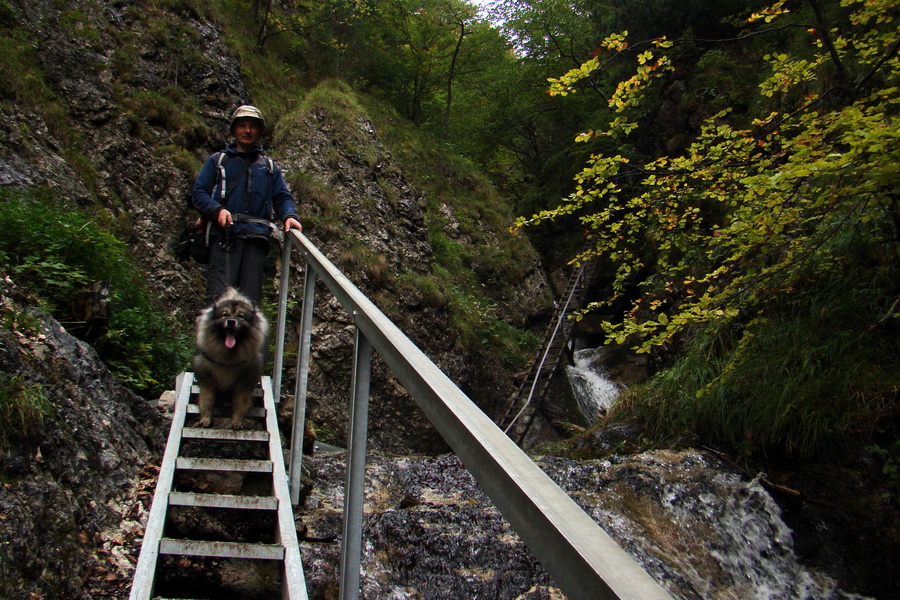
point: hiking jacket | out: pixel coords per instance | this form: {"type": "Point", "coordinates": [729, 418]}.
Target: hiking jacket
{"type": "Point", "coordinates": [251, 189]}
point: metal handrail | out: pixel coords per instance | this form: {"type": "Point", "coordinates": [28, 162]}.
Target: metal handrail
{"type": "Point", "coordinates": [583, 560]}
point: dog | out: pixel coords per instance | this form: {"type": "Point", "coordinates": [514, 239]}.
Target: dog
{"type": "Point", "coordinates": [231, 338]}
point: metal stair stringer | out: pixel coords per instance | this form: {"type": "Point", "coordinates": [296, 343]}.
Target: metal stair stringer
{"type": "Point", "coordinates": [155, 544]}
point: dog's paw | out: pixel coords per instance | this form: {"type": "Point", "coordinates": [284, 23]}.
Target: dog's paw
{"type": "Point", "coordinates": [238, 424]}
{"type": "Point", "coordinates": [203, 422]}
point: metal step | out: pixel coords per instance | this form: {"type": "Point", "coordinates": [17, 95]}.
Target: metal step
{"type": "Point", "coordinates": [222, 501]}
{"type": "Point", "coordinates": [245, 435]}
{"type": "Point", "coordinates": [287, 551]}
{"type": "Point", "coordinates": [223, 464]}
{"type": "Point", "coordinates": [221, 549]}
{"type": "Point", "coordinates": [255, 411]}
{"type": "Point", "coordinates": [257, 392]}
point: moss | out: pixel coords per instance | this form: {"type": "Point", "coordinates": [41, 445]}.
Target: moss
{"type": "Point", "coordinates": [23, 407]}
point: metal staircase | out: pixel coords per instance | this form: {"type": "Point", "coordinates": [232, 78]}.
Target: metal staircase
{"type": "Point", "coordinates": [256, 516]}
{"type": "Point", "coordinates": [582, 559]}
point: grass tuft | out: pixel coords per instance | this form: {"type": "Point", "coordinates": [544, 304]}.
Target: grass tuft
{"type": "Point", "coordinates": [23, 407]}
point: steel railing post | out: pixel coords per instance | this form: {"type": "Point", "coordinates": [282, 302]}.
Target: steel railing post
{"type": "Point", "coordinates": [299, 426]}
{"type": "Point", "coordinates": [282, 316]}
{"type": "Point", "coordinates": [354, 492]}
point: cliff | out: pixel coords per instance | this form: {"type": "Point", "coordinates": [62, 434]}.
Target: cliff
{"type": "Point", "coordinates": [112, 107]}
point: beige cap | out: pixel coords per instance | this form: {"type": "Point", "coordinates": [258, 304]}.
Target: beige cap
{"type": "Point", "coordinates": [247, 111]}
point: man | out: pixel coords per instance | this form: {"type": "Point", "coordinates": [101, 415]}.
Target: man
{"type": "Point", "coordinates": [254, 193]}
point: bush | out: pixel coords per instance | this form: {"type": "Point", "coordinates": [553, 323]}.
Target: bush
{"type": "Point", "coordinates": [54, 249]}
{"type": "Point", "coordinates": [800, 379]}
{"type": "Point", "coordinates": [23, 407]}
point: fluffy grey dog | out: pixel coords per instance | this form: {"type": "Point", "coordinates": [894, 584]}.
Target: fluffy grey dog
{"type": "Point", "coordinates": [231, 338]}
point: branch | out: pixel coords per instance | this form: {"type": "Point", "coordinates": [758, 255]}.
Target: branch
{"type": "Point", "coordinates": [887, 56]}
{"type": "Point", "coordinates": [835, 57]}
{"type": "Point", "coordinates": [768, 484]}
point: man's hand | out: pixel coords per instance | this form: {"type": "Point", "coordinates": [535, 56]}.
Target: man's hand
{"type": "Point", "coordinates": [292, 223]}
{"type": "Point", "coordinates": [225, 219]}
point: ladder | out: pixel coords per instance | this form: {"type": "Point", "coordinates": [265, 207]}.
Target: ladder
{"type": "Point", "coordinates": [253, 523]}
{"type": "Point", "coordinates": [524, 402]}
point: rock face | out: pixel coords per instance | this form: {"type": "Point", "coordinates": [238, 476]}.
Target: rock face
{"type": "Point", "coordinates": [114, 107]}
{"type": "Point", "coordinates": [696, 525]}
{"type": "Point", "coordinates": [382, 231]}
{"type": "Point", "coordinates": [132, 89]}
{"type": "Point", "coordinates": [108, 129]}
{"type": "Point", "coordinates": [64, 482]}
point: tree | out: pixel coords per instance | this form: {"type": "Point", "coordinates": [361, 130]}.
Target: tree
{"type": "Point", "coordinates": [461, 16]}
{"type": "Point", "coordinates": [748, 212]}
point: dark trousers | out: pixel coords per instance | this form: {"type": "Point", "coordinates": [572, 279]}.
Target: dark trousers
{"type": "Point", "coordinates": [242, 268]}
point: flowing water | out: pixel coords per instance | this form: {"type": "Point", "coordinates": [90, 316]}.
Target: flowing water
{"type": "Point", "coordinates": [690, 519]}
{"type": "Point", "coordinates": [593, 391]}
{"type": "Point", "coordinates": [703, 530]}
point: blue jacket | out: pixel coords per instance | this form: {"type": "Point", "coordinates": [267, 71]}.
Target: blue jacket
{"type": "Point", "coordinates": [268, 197]}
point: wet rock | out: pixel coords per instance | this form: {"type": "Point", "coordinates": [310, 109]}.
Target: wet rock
{"type": "Point", "coordinates": [698, 526]}
{"type": "Point", "coordinates": [429, 532]}
{"type": "Point", "coordinates": [65, 484]}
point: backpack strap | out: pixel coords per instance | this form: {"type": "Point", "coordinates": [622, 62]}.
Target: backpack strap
{"type": "Point", "coordinates": [270, 168]}
{"type": "Point", "coordinates": [222, 158]}
{"type": "Point", "coordinates": [220, 165]}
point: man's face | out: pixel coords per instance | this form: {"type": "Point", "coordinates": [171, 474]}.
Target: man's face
{"type": "Point", "coordinates": [246, 133]}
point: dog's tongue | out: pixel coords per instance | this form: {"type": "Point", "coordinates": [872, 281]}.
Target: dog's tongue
{"type": "Point", "coordinates": [229, 341]}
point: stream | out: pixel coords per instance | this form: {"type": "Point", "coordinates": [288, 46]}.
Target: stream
{"type": "Point", "coordinates": [701, 527]}
{"type": "Point", "coordinates": [594, 393]}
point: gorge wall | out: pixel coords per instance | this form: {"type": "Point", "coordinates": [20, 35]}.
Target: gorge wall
{"type": "Point", "coordinates": [135, 99]}
{"type": "Point", "coordinates": [114, 106]}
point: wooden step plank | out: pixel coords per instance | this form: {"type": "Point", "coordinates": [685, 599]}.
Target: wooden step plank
{"type": "Point", "coordinates": [224, 464]}
{"type": "Point", "coordinates": [221, 549]}
{"type": "Point", "coordinates": [222, 501]}
{"type": "Point", "coordinates": [238, 435]}
{"type": "Point", "coordinates": [255, 411]}
{"type": "Point", "coordinates": [257, 391]}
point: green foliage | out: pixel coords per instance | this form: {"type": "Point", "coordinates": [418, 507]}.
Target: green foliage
{"type": "Point", "coordinates": [480, 261]}
{"type": "Point", "coordinates": [334, 102]}
{"type": "Point", "coordinates": [320, 209]}
{"type": "Point", "coordinates": [890, 469]}
{"type": "Point", "coordinates": [480, 330]}
{"type": "Point", "coordinates": [746, 212]}
{"type": "Point", "coordinates": [23, 407]}
{"type": "Point", "coordinates": [170, 110]}
{"type": "Point", "coordinates": [733, 244]}
{"type": "Point", "coordinates": [359, 260]}
{"type": "Point", "coordinates": [796, 381]}
{"type": "Point", "coordinates": [474, 267]}
{"type": "Point", "coordinates": [22, 82]}
{"type": "Point", "coordinates": [425, 289]}
{"type": "Point", "coordinates": [53, 249]}
{"type": "Point", "coordinates": [77, 24]}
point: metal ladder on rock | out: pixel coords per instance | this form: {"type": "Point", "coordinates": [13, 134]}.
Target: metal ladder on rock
{"type": "Point", "coordinates": [524, 402]}
{"type": "Point", "coordinates": [183, 486]}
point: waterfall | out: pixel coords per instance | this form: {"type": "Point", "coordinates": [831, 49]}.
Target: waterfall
{"type": "Point", "coordinates": [593, 391]}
